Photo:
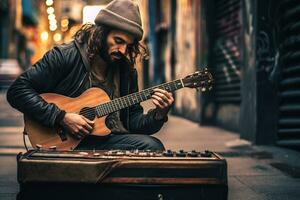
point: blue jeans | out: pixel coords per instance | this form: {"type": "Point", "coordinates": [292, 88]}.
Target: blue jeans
{"type": "Point", "coordinates": [121, 142]}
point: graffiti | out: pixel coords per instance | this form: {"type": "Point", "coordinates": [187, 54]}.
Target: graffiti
{"type": "Point", "coordinates": [265, 55]}
{"type": "Point", "coordinates": [267, 52]}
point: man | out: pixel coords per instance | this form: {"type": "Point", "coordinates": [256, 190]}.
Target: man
{"type": "Point", "coordinates": [101, 55]}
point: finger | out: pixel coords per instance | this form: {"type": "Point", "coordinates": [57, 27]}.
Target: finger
{"type": "Point", "coordinates": [171, 100]}
{"type": "Point", "coordinates": [160, 100]}
{"type": "Point", "coordinates": [163, 96]}
{"type": "Point", "coordinates": [83, 131]}
{"type": "Point", "coordinates": [91, 123]}
{"type": "Point", "coordinates": [88, 126]}
{"type": "Point", "coordinates": [168, 94]}
{"type": "Point", "coordinates": [157, 104]}
{"type": "Point", "coordinates": [159, 90]}
{"type": "Point", "coordinates": [76, 134]}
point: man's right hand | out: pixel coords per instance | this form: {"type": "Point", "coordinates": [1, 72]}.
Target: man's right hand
{"type": "Point", "coordinates": [78, 125]}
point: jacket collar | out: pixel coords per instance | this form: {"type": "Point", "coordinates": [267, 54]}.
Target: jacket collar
{"type": "Point", "coordinates": [81, 47]}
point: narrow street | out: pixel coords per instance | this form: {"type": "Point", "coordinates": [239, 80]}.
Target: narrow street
{"type": "Point", "coordinates": [233, 66]}
{"type": "Point", "coordinates": [254, 172]}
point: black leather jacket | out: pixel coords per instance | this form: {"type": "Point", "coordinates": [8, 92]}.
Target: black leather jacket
{"type": "Point", "coordinates": [62, 71]}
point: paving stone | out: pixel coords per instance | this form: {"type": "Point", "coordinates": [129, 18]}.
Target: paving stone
{"type": "Point", "coordinates": [273, 185]}
{"type": "Point", "coordinates": [7, 196]}
{"type": "Point", "coordinates": [243, 166]}
{"type": "Point", "coordinates": [8, 166]}
{"type": "Point", "coordinates": [240, 191]}
{"type": "Point", "coordinates": [295, 196]}
{"type": "Point", "coordinates": [8, 187]}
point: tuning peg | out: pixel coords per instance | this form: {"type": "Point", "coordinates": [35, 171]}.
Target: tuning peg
{"type": "Point", "coordinates": [203, 89]}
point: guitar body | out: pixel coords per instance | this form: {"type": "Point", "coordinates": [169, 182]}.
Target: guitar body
{"type": "Point", "coordinates": [50, 137]}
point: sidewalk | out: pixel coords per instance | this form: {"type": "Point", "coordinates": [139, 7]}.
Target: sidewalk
{"type": "Point", "coordinates": [255, 172]}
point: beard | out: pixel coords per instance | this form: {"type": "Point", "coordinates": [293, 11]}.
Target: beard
{"type": "Point", "coordinates": [113, 57]}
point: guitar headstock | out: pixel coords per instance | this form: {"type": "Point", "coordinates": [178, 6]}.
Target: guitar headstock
{"type": "Point", "coordinates": [201, 79]}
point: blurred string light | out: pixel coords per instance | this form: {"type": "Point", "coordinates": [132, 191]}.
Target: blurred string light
{"type": "Point", "coordinates": [64, 24]}
{"type": "Point", "coordinates": [50, 10]}
{"type": "Point", "coordinates": [49, 2]}
{"type": "Point", "coordinates": [44, 35]}
{"type": "Point", "coordinates": [57, 37]}
{"type": "Point", "coordinates": [52, 22]}
{"type": "Point", "coordinates": [53, 27]}
{"type": "Point", "coordinates": [51, 15]}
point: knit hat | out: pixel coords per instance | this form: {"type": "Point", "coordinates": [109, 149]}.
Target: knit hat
{"type": "Point", "coordinates": [123, 15]}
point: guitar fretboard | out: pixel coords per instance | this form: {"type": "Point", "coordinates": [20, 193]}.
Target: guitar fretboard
{"type": "Point", "coordinates": [135, 98]}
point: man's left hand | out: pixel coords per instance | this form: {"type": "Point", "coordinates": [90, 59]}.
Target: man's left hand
{"type": "Point", "coordinates": [163, 101]}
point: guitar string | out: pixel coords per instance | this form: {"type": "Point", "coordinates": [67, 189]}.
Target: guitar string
{"type": "Point", "coordinates": [94, 109]}
{"type": "Point", "coordinates": [111, 102]}
{"type": "Point", "coordinates": [84, 113]}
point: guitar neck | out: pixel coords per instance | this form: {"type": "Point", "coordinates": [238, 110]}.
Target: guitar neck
{"type": "Point", "coordinates": [135, 98]}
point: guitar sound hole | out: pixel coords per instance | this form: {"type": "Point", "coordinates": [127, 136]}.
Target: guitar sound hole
{"type": "Point", "coordinates": [88, 113]}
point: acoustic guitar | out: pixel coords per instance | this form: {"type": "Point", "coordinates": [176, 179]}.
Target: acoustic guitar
{"type": "Point", "coordinates": [96, 105]}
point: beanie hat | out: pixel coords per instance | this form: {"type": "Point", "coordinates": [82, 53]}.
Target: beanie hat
{"type": "Point", "coordinates": [123, 15]}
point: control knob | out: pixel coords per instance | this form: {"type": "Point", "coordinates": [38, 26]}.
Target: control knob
{"type": "Point", "coordinates": [206, 153]}
{"type": "Point", "coordinates": [193, 153]}
{"type": "Point", "coordinates": [168, 153]}
{"type": "Point", "coordinates": [181, 153]}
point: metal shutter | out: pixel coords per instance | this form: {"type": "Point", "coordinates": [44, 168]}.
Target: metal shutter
{"type": "Point", "coordinates": [226, 56]}
{"type": "Point", "coordinates": [289, 91]}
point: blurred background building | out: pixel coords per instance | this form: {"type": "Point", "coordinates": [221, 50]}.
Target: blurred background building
{"type": "Point", "coordinates": [250, 46]}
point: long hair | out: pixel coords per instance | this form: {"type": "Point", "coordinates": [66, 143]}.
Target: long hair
{"type": "Point", "coordinates": [95, 36]}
